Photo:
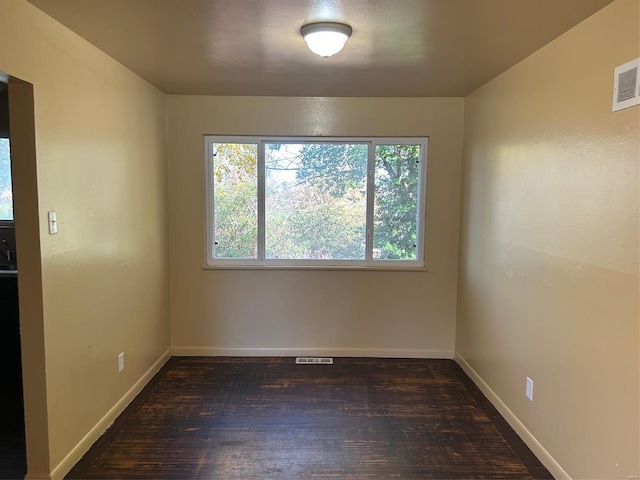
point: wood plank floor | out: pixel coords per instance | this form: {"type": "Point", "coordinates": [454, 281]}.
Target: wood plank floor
{"type": "Point", "coordinates": [267, 418]}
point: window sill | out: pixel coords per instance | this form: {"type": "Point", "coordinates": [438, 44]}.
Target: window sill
{"type": "Point", "coordinates": [361, 268]}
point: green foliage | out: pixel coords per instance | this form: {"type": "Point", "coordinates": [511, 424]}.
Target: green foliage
{"type": "Point", "coordinates": [236, 221]}
{"type": "Point", "coordinates": [396, 201]}
{"type": "Point", "coordinates": [340, 168]}
{"type": "Point", "coordinates": [235, 161]}
{"type": "Point", "coordinates": [235, 200]}
{"type": "Point", "coordinates": [316, 201]}
{"type": "Point", "coordinates": [335, 168]}
{"type": "Point", "coordinates": [305, 222]}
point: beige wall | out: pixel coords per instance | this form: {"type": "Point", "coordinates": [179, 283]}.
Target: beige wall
{"type": "Point", "coordinates": [99, 135]}
{"type": "Point", "coordinates": [332, 312]}
{"type": "Point", "coordinates": [548, 284]}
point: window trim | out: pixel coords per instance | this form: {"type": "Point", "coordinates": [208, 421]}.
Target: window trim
{"type": "Point", "coordinates": [368, 263]}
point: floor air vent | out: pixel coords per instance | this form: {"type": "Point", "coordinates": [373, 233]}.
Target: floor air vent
{"type": "Point", "coordinates": [314, 360]}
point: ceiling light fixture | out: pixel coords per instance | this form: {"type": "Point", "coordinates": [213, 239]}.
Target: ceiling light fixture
{"type": "Point", "coordinates": [325, 38]}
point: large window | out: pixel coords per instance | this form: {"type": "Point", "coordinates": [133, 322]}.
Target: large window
{"type": "Point", "coordinates": [329, 202]}
{"type": "Point", "coordinates": [6, 194]}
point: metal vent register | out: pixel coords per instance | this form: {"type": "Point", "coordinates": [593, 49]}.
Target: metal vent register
{"type": "Point", "coordinates": [626, 87]}
{"type": "Point", "coordinates": [314, 360]}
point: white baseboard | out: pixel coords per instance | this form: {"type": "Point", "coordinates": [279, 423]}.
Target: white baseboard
{"type": "Point", "coordinates": [90, 438]}
{"type": "Point", "coordinates": [313, 352]}
{"type": "Point", "coordinates": [536, 447]}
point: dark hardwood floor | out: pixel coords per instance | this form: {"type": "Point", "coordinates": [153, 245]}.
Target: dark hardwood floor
{"type": "Point", "coordinates": [267, 418]}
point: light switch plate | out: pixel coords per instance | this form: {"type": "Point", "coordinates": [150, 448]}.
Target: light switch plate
{"type": "Point", "coordinates": [53, 223]}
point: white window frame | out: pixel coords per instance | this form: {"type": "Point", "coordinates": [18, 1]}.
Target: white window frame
{"type": "Point", "coordinates": [368, 263]}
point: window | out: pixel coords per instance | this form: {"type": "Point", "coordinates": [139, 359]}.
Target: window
{"type": "Point", "coordinates": [315, 201]}
{"type": "Point", "coordinates": [6, 195]}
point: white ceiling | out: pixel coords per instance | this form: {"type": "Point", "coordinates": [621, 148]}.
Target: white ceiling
{"type": "Point", "coordinates": [253, 47]}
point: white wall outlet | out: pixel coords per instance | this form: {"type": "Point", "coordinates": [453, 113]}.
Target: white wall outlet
{"type": "Point", "coordinates": [529, 389]}
{"type": "Point", "coordinates": [53, 223]}
{"type": "Point", "coordinates": [120, 362]}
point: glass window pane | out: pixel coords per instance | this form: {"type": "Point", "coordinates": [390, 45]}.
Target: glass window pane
{"type": "Point", "coordinates": [395, 212]}
{"type": "Point", "coordinates": [235, 200]}
{"type": "Point", "coordinates": [315, 201]}
{"type": "Point", "coordinates": [6, 194]}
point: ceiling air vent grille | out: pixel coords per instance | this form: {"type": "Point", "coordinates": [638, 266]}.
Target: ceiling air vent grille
{"type": "Point", "coordinates": [626, 88]}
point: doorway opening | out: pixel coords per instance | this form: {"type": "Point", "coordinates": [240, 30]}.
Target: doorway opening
{"type": "Point", "coordinates": [13, 462]}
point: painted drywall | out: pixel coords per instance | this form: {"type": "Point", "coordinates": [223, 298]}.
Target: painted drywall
{"type": "Point", "coordinates": [25, 208]}
{"type": "Point", "coordinates": [334, 312]}
{"type": "Point", "coordinates": [548, 283]}
{"type": "Point", "coordinates": [100, 163]}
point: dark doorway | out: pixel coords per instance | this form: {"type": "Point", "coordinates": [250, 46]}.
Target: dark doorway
{"type": "Point", "coordinates": [12, 426]}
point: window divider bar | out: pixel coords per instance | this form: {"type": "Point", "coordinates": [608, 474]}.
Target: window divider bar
{"type": "Point", "coordinates": [261, 202]}
{"type": "Point", "coordinates": [209, 223]}
{"type": "Point", "coordinates": [371, 166]}
{"type": "Point", "coordinates": [422, 200]}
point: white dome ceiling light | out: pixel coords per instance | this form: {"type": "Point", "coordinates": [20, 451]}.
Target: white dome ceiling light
{"type": "Point", "coordinates": [325, 38]}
